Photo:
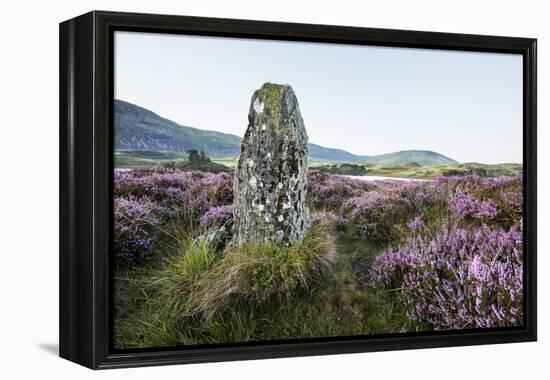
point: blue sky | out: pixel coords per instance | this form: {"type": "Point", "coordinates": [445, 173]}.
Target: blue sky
{"type": "Point", "coordinates": [364, 99]}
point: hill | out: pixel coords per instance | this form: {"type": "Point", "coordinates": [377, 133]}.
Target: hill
{"type": "Point", "coordinates": [321, 153]}
{"type": "Point", "coordinates": [138, 129]}
{"type": "Point", "coordinates": [408, 157]}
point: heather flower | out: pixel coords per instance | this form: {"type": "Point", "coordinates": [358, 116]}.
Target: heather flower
{"type": "Point", "coordinates": [513, 198]}
{"type": "Point", "coordinates": [494, 201]}
{"type": "Point", "coordinates": [460, 279]}
{"type": "Point", "coordinates": [136, 226]}
{"type": "Point", "coordinates": [370, 215]}
{"type": "Point", "coordinates": [416, 224]}
{"type": "Point", "coordinates": [216, 216]}
{"type": "Point", "coordinates": [503, 182]}
{"type": "Point", "coordinates": [321, 216]}
{"type": "Point", "coordinates": [185, 195]}
{"type": "Point", "coordinates": [147, 199]}
{"type": "Point", "coordinates": [472, 179]}
{"type": "Point", "coordinates": [465, 205]}
{"type": "Point", "coordinates": [331, 191]}
{"type": "Point", "coordinates": [377, 215]}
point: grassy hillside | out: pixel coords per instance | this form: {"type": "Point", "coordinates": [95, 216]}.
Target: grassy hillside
{"type": "Point", "coordinates": [408, 157]}
{"type": "Point", "coordinates": [138, 129]}
{"type": "Point", "coordinates": [132, 159]}
{"type": "Point", "coordinates": [321, 153]}
{"type": "Point", "coordinates": [413, 171]}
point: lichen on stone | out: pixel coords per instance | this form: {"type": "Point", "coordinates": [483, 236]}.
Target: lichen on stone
{"type": "Point", "coordinates": [271, 171]}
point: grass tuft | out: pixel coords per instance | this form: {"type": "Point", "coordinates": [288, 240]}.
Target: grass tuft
{"type": "Point", "coordinates": [265, 273]}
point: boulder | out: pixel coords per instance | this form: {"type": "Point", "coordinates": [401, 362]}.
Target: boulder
{"type": "Point", "coordinates": [270, 186]}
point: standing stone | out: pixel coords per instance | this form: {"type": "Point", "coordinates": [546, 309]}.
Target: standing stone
{"type": "Point", "coordinates": [270, 179]}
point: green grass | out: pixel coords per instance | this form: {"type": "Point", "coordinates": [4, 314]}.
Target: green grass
{"type": "Point", "coordinates": [230, 162]}
{"type": "Point", "coordinates": [266, 273]}
{"type": "Point", "coordinates": [190, 294]}
{"type": "Point", "coordinates": [132, 159]}
{"type": "Point", "coordinates": [128, 162]}
{"type": "Point", "coordinates": [413, 171]}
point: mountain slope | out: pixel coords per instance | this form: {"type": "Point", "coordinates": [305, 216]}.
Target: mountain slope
{"type": "Point", "coordinates": [322, 153]}
{"type": "Point", "coordinates": [138, 129]}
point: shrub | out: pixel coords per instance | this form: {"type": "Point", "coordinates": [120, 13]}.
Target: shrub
{"type": "Point", "coordinates": [184, 195]}
{"type": "Point", "coordinates": [416, 224]}
{"type": "Point", "coordinates": [460, 279]}
{"type": "Point", "coordinates": [465, 205]}
{"type": "Point", "coordinates": [380, 215]}
{"type": "Point", "coordinates": [216, 217]}
{"type": "Point", "coordinates": [474, 202]}
{"type": "Point", "coordinates": [136, 226]}
{"type": "Point", "coordinates": [343, 169]}
{"type": "Point", "coordinates": [371, 216]}
{"type": "Point", "coordinates": [329, 192]}
{"type": "Point", "coordinates": [149, 199]}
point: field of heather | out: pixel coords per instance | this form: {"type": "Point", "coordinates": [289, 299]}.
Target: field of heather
{"type": "Point", "coordinates": [381, 257]}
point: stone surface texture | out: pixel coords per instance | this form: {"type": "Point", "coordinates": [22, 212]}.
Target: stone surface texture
{"type": "Point", "coordinates": [270, 179]}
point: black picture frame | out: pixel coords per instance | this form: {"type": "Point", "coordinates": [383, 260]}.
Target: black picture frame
{"type": "Point", "coordinates": [86, 176]}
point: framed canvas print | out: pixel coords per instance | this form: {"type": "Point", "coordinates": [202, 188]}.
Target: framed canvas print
{"type": "Point", "coordinates": [238, 189]}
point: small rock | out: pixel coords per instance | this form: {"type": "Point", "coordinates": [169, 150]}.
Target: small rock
{"type": "Point", "coordinates": [220, 237]}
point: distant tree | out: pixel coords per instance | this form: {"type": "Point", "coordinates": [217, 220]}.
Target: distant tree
{"type": "Point", "coordinates": [193, 156]}
{"type": "Point", "coordinates": [197, 157]}
{"type": "Point", "coordinates": [479, 171]}
{"type": "Point", "coordinates": [454, 172]}
{"type": "Point", "coordinates": [344, 168]}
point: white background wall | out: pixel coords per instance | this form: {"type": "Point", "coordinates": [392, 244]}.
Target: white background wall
{"type": "Point", "coordinates": [29, 187]}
